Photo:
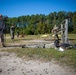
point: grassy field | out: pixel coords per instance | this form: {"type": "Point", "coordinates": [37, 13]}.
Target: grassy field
{"type": "Point", "coordinates": [67, 57]}
{"type": "Point", "coordinates": [72, 37]}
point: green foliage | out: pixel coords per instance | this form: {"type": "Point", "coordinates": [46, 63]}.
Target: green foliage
{"type": "Point", "coordinates": [40, 23]}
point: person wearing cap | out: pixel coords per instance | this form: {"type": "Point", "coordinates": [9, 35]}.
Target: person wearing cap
{"type": "Point", "coordinates": [2, 27]}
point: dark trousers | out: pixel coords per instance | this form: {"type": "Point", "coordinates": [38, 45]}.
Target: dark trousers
{"type": "Point", "coordinates": [2, 37]}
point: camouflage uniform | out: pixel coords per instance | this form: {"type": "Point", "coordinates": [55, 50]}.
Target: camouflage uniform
{"type": "Point", "coordinates": [55, 32]}
{"type": "Point", "coordinates": [12, 28]}
{"type": "Point", "coordinates": [2, 27]}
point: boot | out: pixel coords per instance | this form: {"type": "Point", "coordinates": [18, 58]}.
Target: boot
{"type": "Point", "coordinates": [3, 45]}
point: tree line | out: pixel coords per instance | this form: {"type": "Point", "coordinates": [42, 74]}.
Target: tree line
{"type": "Point", "coordinates": [41, 23]}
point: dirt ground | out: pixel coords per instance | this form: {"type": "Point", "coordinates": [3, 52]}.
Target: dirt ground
{"type": "Point", "coordinates": [10, 64]}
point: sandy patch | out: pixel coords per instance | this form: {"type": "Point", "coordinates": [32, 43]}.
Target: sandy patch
{"type": "Point", "coordinates": [10, 64]}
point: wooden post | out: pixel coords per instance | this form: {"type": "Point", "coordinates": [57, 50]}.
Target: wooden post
{"type": "Point", "coordinates": [66, 31]}
{"type": "Point", "coordinates": [62, 33]}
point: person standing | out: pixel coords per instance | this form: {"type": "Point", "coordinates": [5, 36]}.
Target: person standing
{"type": "Point", "coordinates": [12, 28]}
{"type": "Point", "coordinates": [2, 27]}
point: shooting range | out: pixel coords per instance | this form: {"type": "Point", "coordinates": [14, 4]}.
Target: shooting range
{"type": "Point", "coordinates": [37, 37]}
{"type": "Point", "coordinates": [45, 40]}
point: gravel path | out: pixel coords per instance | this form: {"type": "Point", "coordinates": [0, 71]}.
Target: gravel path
{"type": "Point", "coordinates": [10, 64]}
